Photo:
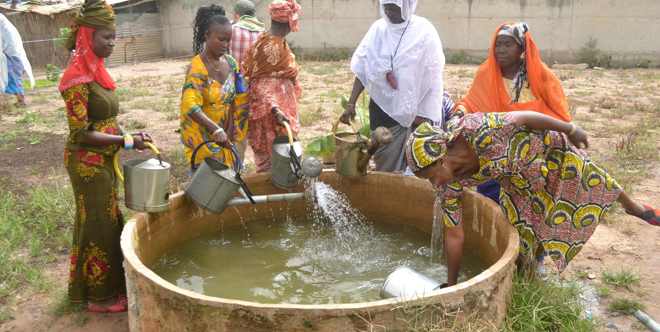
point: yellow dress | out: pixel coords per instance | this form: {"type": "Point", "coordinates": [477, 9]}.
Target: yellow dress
{"type": "Point", "coordinates": [226, 104]}
{"type": "Point", "coordinates": [525, 94]}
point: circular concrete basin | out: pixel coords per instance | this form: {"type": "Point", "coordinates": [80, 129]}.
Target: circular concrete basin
{"type": "Point", "coordinates": [157, 305]}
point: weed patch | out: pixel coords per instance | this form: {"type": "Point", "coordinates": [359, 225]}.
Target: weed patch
{"type": "Point", "coordinates": [545, 306]}
{"type": "Point", "coordinates": [635, 151]}
{"type": "Point", "coordinates": [625, 279]}
{"type": "Point", "coordinates": [625, 306]}
{"type": "Point", "coordinates": [35, 228]}
{"type": "Point", "coordinates": [424, 316]}
{"type": "Point", "coordinates": [603, 291]}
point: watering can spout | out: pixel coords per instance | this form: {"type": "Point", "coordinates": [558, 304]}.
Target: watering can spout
{"type": "Point", "coordinates": [311, 167]}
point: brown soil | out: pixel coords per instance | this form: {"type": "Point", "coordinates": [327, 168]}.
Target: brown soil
{"type": "Point", "coordinates": [604, 101]}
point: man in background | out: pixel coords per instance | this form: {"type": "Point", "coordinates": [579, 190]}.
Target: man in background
{"type": "Point", "coordinates": [246, 29]}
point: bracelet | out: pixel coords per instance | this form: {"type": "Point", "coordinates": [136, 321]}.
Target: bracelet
{"type": "Point", "coordinates": [128, 141]}
{"type": "Point", "coordinates": [219, 130]}
{"type": "Point", "coordinates": [573, 129]}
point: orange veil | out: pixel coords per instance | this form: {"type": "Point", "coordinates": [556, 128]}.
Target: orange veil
{"type": "Point", "coordinates": [488, 93]}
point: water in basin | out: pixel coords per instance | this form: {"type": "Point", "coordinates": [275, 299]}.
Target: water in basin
{"type": "Point", "coordinates": [336, 255]}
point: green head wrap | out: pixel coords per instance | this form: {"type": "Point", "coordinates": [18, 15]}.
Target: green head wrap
{"type": "Point", "coordinates": [428, 143]}
{"type": "Point", "coordinates": [95, 14]}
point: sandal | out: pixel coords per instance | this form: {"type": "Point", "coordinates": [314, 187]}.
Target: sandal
{"type": "Point", "coordinates": [120, 306]}
{"type": "Point", "coordinates": [96, 308]}
{"type": "Point", "coordinates": [651, 215]}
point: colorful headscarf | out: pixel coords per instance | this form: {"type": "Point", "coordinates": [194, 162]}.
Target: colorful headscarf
{"type": "Point", "coordinates": [85, 66]}
{"type": "Point", "coordinates": [427, 144]}
{"type": "Point", "coordinates": [517, 31]}
{"type": "Point", "coordinates": [285, 11]}
{"type": "Point", "coordinates": [488, 93]}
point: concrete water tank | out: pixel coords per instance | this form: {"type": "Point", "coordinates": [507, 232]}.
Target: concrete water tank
{"type": "Point", "coordinates": [157, 305]}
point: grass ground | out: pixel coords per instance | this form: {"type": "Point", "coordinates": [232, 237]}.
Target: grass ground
{"type": "Point", "coordinates": [618, 108]}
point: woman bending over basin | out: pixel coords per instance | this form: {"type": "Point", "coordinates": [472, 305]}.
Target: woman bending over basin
{"type": "Point", "coordinates": [552, 193]}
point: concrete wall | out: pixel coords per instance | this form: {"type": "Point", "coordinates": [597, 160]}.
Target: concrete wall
{"type": "Point", "coordinates": [629, 31]}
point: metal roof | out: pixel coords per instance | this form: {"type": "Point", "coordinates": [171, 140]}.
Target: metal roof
{"type": "Point", "coordinates": [50, 7]}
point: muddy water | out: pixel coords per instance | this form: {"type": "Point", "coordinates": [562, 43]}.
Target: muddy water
{"type": "Point", "coordinates": [300, 261]}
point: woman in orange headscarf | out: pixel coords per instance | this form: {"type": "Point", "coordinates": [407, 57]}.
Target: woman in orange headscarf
{"type": "Point", "coordinates": [270, 66]}
{"type": "Point", "coordinates": [514, 78]}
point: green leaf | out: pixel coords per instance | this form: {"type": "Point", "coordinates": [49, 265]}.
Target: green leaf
{"type": "Point", "coordinates": [344, 102]}
{"type": "Point", "coordinates": [314, 147]}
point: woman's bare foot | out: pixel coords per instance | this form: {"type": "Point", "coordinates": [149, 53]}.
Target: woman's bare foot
{"type": "Point", "coordinates": [650, 215]}
{"type": "Point", "coordinates": [641, 211]}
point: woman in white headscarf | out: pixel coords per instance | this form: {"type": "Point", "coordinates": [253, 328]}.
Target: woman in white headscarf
{"type": "Point", "coordinates": [400, 63]}
{"type": "Point", "coordinates": [15, 61]}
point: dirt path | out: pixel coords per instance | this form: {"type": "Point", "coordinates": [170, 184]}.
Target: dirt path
{"type": "Point", "coordinates": [609, 104]}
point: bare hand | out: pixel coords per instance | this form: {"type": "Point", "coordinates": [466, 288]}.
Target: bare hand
{"type": "Point", "coordinates": [279, 116]}
{"type": "Point", "coordinates": [579, 138]}
{"type": "Point", "coordinates": [349, 114]}
{"type": "Point", "coordinates": [221, 138]}
{"type": "Point", "coordinates": [139, 139]}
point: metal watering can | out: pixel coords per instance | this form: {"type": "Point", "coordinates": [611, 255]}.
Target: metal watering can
{"type": "Point", "coordinates": [353, 150]}
{"type": "Point", "coordinates": [146, 182]}
{"type": "Point", "coordinates": [287, 168]}
{"type": "Point", "coordinates": [214, 184]}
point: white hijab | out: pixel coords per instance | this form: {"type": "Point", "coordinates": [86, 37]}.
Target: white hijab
{"type": "Point", "coordinates": [12, 46]}
{"type": "Point", "coordinates": [417, 66]}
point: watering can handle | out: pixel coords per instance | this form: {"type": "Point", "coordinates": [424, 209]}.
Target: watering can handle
{"type": "Point", "coordinates": [237, 166]}
{"type": "Point", "coordinates": [115, 160]}
{"type": "Point", "coordinates": [237, 158]}
{"type": "Point", "coordinates": [336, 125]}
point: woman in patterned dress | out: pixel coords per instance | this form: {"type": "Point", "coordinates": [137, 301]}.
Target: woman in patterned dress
{"type": "Point", "coordinates": [214, 97]}
{"type": "Point", "coordinates": [96, 275]}
{"type": "Point", "coordinates": [270, 67]}
{"type": "Point", "coordinates": [552, 192]}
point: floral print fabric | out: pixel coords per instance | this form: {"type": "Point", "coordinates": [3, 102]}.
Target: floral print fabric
{"type": "Point", "coordinates": [551, 192]}
{"type": "Point", "coordinates": [271, 68]}
{"type": "Point", "coordinates": [96, 271]}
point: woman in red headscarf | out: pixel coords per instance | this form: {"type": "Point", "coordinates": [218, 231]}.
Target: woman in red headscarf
{"type": "Point", "coordinates": [271, 69]}
{"type": "Point", "coordinates": [96, 276]}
